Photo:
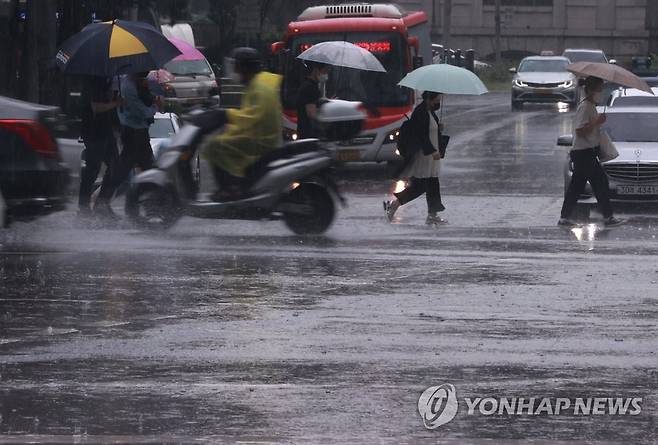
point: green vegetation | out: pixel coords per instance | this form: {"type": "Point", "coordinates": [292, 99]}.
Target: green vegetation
{"type": "Point", "coordinates": [497, 76]}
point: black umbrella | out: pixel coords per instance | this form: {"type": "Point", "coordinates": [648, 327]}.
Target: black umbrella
{"type": "Point", "coordinates": [116, 47]}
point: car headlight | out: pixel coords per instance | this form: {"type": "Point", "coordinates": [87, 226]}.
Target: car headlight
{"type": "Point", "coordinates": [392, 136]}
{"type": "Point", "coordinates": [567, 84]}
{"type": "Point", "coordinates": [520, 83]}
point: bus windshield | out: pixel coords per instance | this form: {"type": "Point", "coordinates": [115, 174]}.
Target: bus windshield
{"type": "Point", "coordinates": [372, 88]}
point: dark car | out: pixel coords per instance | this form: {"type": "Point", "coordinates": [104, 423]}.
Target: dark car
{"type": "Point", "coordinates": [33, 179]}
{"type": "Point", "coordinates": [586, 55]}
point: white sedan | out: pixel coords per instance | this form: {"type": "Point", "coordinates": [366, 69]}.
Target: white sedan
{"type": "Point", "coordinates": [633, 176]}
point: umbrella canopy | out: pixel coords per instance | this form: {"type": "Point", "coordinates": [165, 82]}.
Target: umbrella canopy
{"type": "Point", "coordinates": [116, 47]}
{"type": "Point", "coordinates": [343, 54]}
{"type": "Point", "coordinates": [611, 73]}
{"type": "Point", "coordinates": [188, 52]}
{"type": "Point", "coordinates": [444, 79]}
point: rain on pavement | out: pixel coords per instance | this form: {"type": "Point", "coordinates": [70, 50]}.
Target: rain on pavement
{"type": "Point", "coordinates": [223, 331]}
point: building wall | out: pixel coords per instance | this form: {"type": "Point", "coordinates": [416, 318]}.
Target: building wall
{"type": "Point", "coordinates": [619, 27]}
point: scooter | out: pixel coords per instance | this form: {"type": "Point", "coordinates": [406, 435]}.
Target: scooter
{"type": "Point", "coordinates": [293, 183]}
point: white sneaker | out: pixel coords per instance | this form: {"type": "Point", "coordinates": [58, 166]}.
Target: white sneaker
{"type": "Point", "coordinates": [390, 207]}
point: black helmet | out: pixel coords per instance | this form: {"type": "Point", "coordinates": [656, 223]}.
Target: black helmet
{"type": "Point", "coordinates": [247, 60]}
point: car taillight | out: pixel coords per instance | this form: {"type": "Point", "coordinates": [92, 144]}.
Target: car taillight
{"type": "Point", "coordinates": [214, 89]}
{"type": "Point", "coordinates": [169, 90]}
{"type": "Point", "coordinates": [35, 135]}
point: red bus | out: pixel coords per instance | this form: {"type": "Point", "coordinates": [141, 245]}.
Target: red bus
{"type": "Point", "coordinates": [401, 42]}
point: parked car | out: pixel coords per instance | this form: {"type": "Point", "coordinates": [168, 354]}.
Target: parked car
{"type": "Point", "coordinates": [542, 79]}
{"type": "Point", "coordinates": [192, 83]}
{"type": "Point", "coordinates": [631, 97]}
{"type": "Point", "coordinates": [633, 176]}
{"type": "Point", "coordinates": [586, 55]}
{"type": "Point", "coordinates": [33, 179]}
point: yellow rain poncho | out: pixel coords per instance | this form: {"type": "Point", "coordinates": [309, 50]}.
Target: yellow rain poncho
{"type": "Point", "coordinates": [252, 130]}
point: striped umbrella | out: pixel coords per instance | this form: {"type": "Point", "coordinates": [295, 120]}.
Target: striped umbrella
{"type": "Point", "coordinates": [116, 47]}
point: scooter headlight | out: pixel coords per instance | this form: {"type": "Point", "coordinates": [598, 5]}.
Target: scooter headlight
{"type": "Point", "coordinates": [290, 135]}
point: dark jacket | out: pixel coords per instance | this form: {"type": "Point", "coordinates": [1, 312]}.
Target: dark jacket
{"type": "Point", "coordinates": [420, 127]}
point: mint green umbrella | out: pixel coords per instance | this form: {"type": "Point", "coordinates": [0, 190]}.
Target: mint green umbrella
{"type": "Point", "coordinates": [445, 79]}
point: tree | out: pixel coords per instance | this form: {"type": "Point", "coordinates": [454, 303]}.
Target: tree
{"type": "Point", "coordinates": [498, 31]}
{"type": "Point", "coordinates": [263, 11]}
{"type": "Point", "coordinates": [225, 14]}
{"type": "Point", "coordinates": [41, 27]}
{"type": "Point", "coordinates": [447, 22]}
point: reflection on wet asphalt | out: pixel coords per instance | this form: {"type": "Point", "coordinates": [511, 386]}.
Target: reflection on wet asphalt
{"type": "Point", "coordinates": [241, 333]}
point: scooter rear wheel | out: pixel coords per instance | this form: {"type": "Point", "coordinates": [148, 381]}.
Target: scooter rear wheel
{"type": "Point", "coordinates": [152, 207]}
{"type": "Point", "coordinates": [314, 209]}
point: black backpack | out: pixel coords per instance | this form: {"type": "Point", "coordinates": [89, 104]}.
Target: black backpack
{"type": "Point", "coordinates": [406, 139]}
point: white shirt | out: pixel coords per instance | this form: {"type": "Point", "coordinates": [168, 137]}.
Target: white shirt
{"type": "Point", "coordinates": [585, 114]}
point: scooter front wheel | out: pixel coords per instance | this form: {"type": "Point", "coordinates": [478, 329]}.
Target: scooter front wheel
{"type": "Point", "coordinates": [310, 209]}
{"type": "Point", "coordinates": [152, 207]}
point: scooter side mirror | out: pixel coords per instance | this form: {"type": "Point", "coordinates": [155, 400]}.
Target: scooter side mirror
{"type": "Point", "coordinates": [207, 120]}
{"type": "Point", "coordinates": [341, 119]}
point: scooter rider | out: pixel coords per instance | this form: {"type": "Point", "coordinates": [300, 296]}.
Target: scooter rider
{"type": "Point", "coordinates": [251, 131]}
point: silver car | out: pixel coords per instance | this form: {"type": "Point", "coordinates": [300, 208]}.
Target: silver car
{"type": "Point", "coordinates": [633, 176]}
{"type": "Point", "coordinates": [542, 79]}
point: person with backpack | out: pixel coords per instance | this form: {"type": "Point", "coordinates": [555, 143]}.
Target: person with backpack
{"type": "Point", "coordinates": [418, 144]}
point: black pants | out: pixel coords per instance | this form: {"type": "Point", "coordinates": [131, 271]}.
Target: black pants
{"type": "Point", "coordinates": [97, 153]}
{"type": "Point", "coordinates": [136, 152]}
{"type": "Point", "coordinates": [586, 167]}
{"type": "Point", "coordinates": [418, 186]}
{"type": "Point", "coordinates": [225, 181]}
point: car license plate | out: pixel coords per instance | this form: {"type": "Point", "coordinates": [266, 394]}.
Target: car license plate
{"type": "Point", "coordinates": [637, 190]}
{"type": "Point", "coordinates": [348, 155]}
{"type": "Point", "coordinates": [544, 91]}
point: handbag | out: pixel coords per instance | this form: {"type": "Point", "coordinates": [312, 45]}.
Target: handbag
{"type": "Point", "coordinates": [607, 150]}
{"type": "Point", "coordinates": [443, 144]}
{"type": "Point", "coordinates": [443, 139]}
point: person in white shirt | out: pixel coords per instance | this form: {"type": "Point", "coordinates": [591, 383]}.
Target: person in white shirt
{"type": "Point", "coordinates": [584, 156]}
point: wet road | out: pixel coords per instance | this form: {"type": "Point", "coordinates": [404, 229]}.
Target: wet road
{"type": "Point", "coordinates": [241, 333]}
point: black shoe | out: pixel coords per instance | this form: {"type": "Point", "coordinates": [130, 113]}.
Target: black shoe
{"type": "Point", "coordinates": [105, 212]}
{"type": "Point", "coordinates": [84, 213]}
{"type": "Point", "coordinates": [566, 222]}
{"type": "Point", "coordinates": [612, 221]}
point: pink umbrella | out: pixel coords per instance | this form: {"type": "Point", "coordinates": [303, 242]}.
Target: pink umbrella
{"type": "Point", "coordinates": [188, 52]}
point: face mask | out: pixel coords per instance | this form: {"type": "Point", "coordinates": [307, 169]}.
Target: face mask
{"type": "Point", "coordinates": [323, 78]}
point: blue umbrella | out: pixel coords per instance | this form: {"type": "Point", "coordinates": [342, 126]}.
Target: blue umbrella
{"type": "Point", "coordinates": [444, 79]}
